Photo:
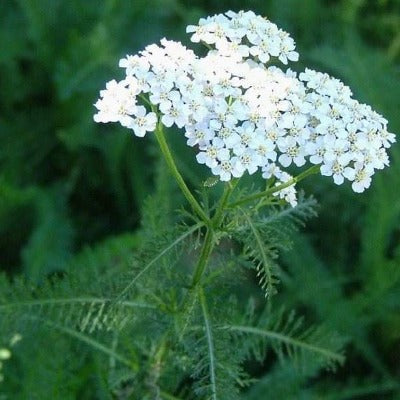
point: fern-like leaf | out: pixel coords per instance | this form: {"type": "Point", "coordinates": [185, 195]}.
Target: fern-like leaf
{"type": "Point", "coordinates": [263, 255]}
{"type": "Point", "coordinates": [263, 235]}
{"type": "Point", "coordinates": [288, 337]}
{"type": "Point", "coordinates": [88, 340]}
{"type": "Point", "coordinates": [159, 256]}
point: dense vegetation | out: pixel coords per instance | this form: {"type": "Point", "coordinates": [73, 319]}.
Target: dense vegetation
{"type": "Point", "coordinates": [97, 251]}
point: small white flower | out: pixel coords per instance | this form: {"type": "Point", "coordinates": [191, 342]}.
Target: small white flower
{"type": "Point", "coordinates": [387, 138]}
{"type": "Point", "coordinates": [316, 150]}
{"type": "Point", "coordinates": [199, 134]}
{"type": "Point", "coordinates": [264, 147]}
{"type": "Point", "coordinates": [270, 170]}
{"type": "Point", "coordinates": [337, 150]}
{"type": "Point", "coordinates": [199, 32]}
{"type": "Point", "coordinates": [212, 153]}
{"type": "Point", "coordinates": [229, 136]}
{"type": "Point", "coordinates": [224, 115]}
{"type": "Point", "coordinates": [174, 111]}
{"type": "Point", "coordinates": [289, 193]}
{"type": "Point", "coordinates": [135, 65]}
{"type": "Point", "coordinates": [380, 159]}
{"type": "Point", "coordinates": [362, 179]}
{"type": "Point", "coordinates": [287, 47]}
{"type": "Point", "coordinates": [337, 171]}
{"type": "Point", "coordinates": [232, 49]}
{"type": "Point", "coordinates": [291, 152]}
{"type": "Point", "coordinates": [248, 137]}
{"type": "Point", "coordinates": [226, 169]}
{"type": "Point", "coordinates": [249, 160]}
{"type": "Point", "coordinates": [161, 94]}
{"type": "Point", "coordinates": [143, 122]}
{"type": "Point", "coordinates": [116, 104]}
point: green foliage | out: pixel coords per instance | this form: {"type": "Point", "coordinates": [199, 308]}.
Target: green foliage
{"type": "Point", "coordinates": [192, 329]}
{"type": "Point", "coordinates": [97, 254]}
{"type": "Point", "coordinates": [263, 235]}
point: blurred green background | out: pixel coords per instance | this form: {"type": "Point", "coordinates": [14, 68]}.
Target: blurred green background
{"type": "Point", "coordinates": [66, 182]}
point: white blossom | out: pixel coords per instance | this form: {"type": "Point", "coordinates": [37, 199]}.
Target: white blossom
{"type": "Point", "coordinates": [226, 169]}
{"type": "Point", "coordinates": [289, 193]}
{"type": "Point", "coordinates": [199, 134]}
{"type": "Point", "coordinates": [143, 122]}
{"type": "Point", "coordinates": [243, 34]}
{"type": "Point", "coordinates": [242, 115]}
{"type": "Point", "coordinates": [337, 171]}
{"type": "Point", "coordinates": [212, 153]}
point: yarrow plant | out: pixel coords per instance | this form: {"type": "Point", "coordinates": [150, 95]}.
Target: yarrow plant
{"type": "Point", "coordinates": [244, 115]}
{"type": "Point", "coordinates": [244, 112]}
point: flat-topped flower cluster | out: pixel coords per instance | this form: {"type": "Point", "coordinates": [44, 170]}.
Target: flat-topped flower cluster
{"type": "Point", "coordinates": [243, 115]}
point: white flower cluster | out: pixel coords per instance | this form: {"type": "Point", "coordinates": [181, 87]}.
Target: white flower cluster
{"type": "Point", "coordinates": [154, 73]}
{"type": "Point", "coordinates": [349, 139]}
{"type": "Point", "coordinates": [245, 35]}
{"type": "Point", "coordinates": [243, 115]}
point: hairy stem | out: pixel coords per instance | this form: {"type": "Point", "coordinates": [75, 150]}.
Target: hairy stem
{"type": "Point", "coordinates": [310, 171]}
{"type": "Point", "coordinates": [178, 177]}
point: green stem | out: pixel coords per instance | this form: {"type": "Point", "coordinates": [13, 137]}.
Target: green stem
{"type": "Point", "coordinates": [312, 170]}
{"type": "Point", "coordinates": [217, 218]}
{"type": "Point", "coordinates": [178, 177]}
{"type": "Point", "coordinates": [210, 343]}
{"type": "Point", "coordinates": [208, 244]}
{"type": "Point", "coordinates": [206, 251]}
